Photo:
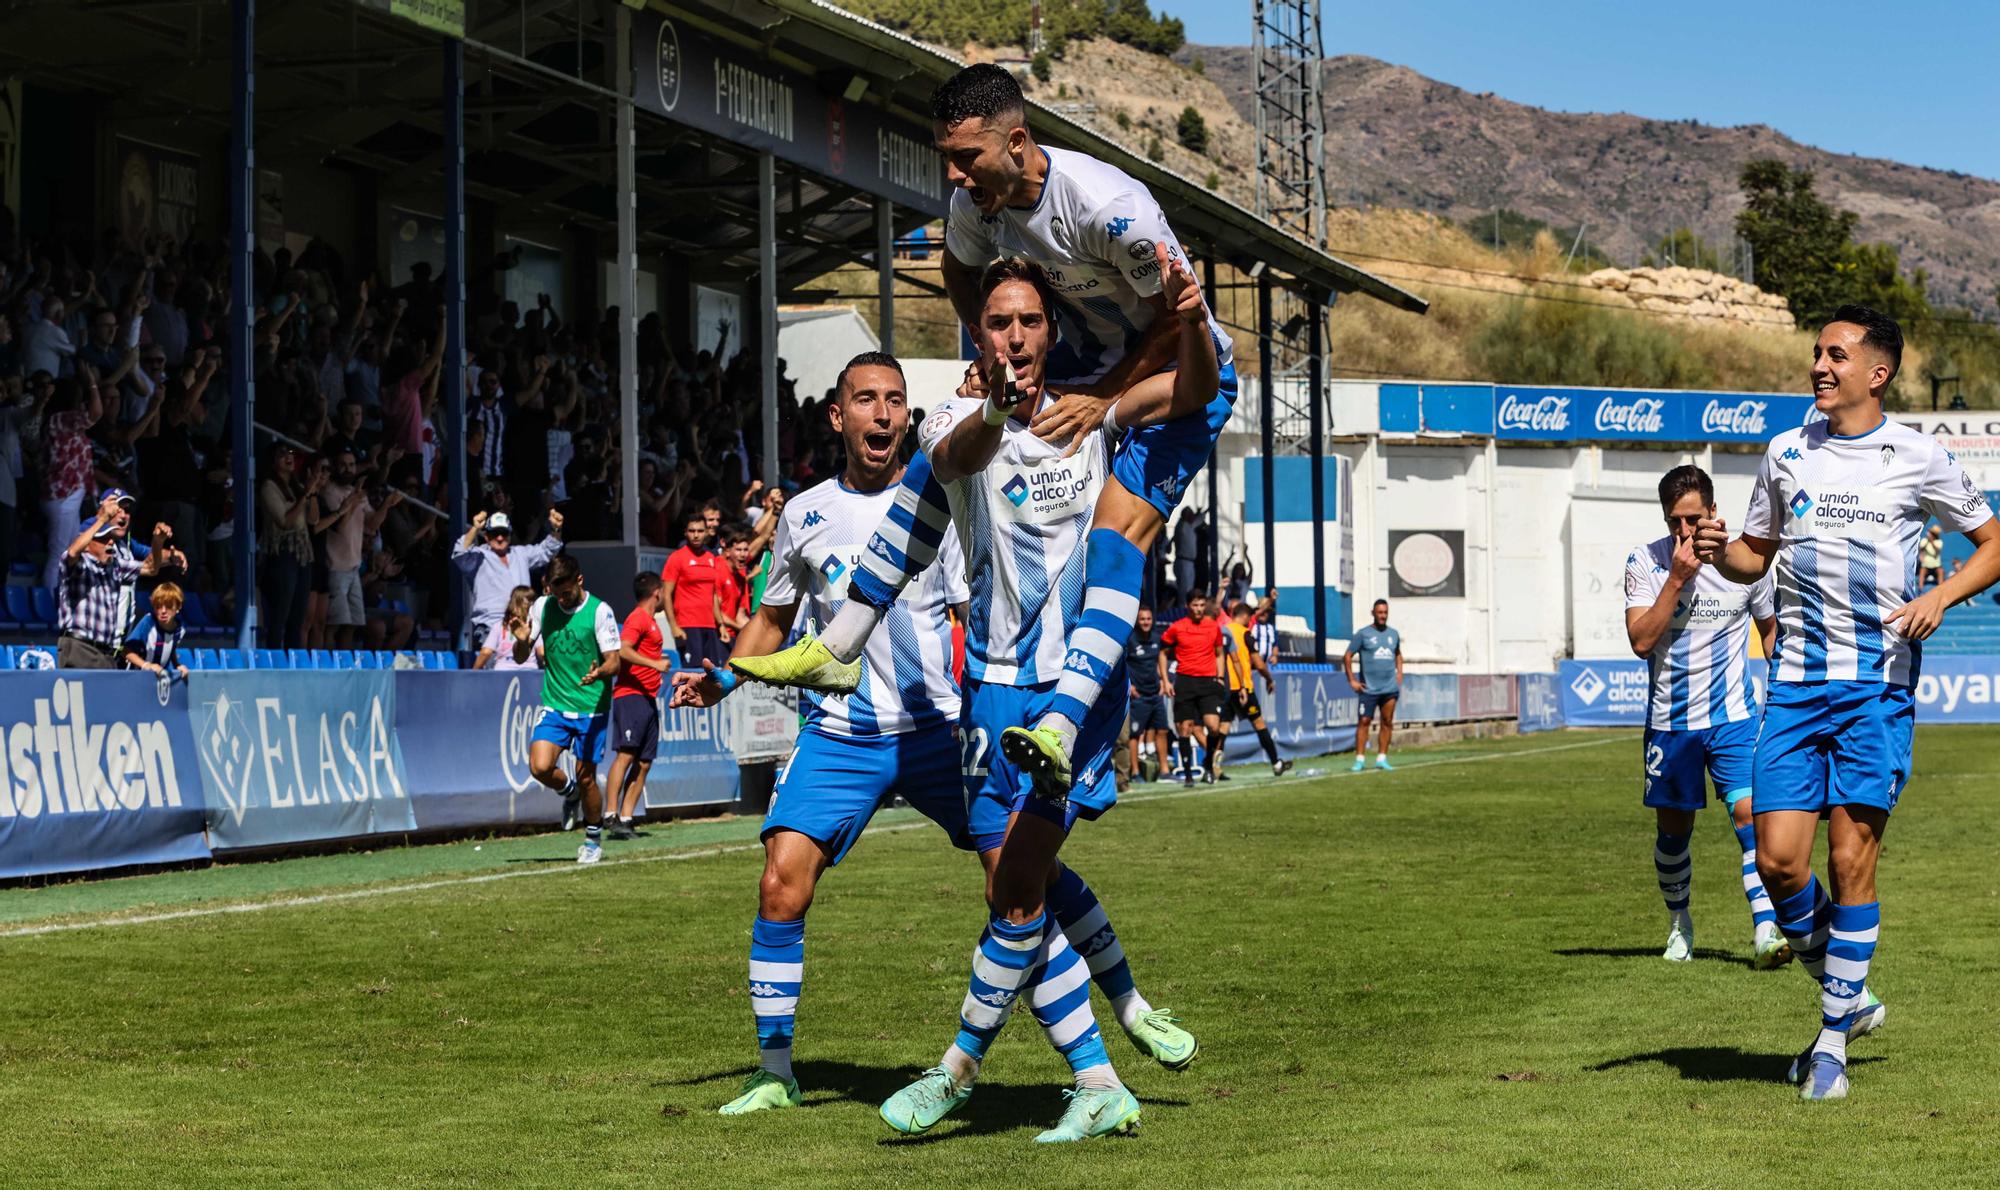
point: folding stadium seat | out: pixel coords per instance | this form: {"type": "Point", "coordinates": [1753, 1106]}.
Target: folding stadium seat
{"type": "Point", "coordinates": [300, 658]}
{"type": "Point", "coordinates": [360, 659]}
{"type": "Point", "coordinates": [17, 610]}
{"type": "Point", "coordinates": [201, 659]}
{"type": "Point", "coordinates": [272, 659]}
{"type": "Point", "coordinates": [340, 659]}
{"type": "Point", "coordinates": [322, 659]}
{"type": "Point", "coordinates": [44, 601]}
{"type": "Point", "coordinates": [234, 659]}
{"type": "Point", "coordinates": [142, 602]}
{"type": "Point", "coordinates": [6, 656]}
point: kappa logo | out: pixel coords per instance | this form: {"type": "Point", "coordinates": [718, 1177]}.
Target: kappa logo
{"type": "Point", "coordinates": [832, 569]}
{"type": "Point", "coordinates": [1117, 227]}
{"type": "Point", "coordinates": [1096, 942]}
{"type": "Point", "coordinates": [1170, 487]}
{"type": "Point", "coordinates": [814, 518]}
{"type": "Point", "coordinates": [996, 998]}
{"type": "Point", "coordinates": [1016, 491]}
{"type": "Point", "coordinates": [1588, 687]}
{"type": "Point", "coordinates": [1791, 454]}
{"type": "Point", "coordinates": [1801, 504]}
{"type": "Point", "coordinates": [1839, 987]}
{"type": "Point", "coordinates": [764, 989]}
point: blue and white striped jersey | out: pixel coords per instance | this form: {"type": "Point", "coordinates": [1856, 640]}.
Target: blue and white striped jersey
{"type": "Point", "coordinates": [1093, 230]}
{"type": "Point", "coordinates": [1847, 514]}
{"type": "Point", "coordinates": [906, 671]}
{"type": "Point", "coordinates": [1022, 522]}
{"type": "Point", "coordinates": [1699, 670]}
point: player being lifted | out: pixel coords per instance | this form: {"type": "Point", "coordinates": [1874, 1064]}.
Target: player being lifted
{"type": "Point", "coordinates": [1106, 248]}
{"type": "Point", "coordinates": [1022, 506]}
{"type": "Point", "coordinates": [895, 734]}
{"type": "Point", "coordinates": [1692, 628]}
{"type": "Point", "coordinates": [1839, 506]}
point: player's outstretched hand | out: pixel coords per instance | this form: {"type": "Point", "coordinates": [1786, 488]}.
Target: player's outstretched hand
{"type": "Point", "coordinates": [1711, 537]}
{"type": "Point", "coordinates": [1920, 617]}
{"type": "Point", "coordinates": [1182, 289]}
{"type": "Point", "coordinates": [1686, 564]}
{"type": "Point", "coordinates": [696, 689]}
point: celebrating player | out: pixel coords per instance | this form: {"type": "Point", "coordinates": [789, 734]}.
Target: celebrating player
{"type": "Point", "coordinates": [1119, 274]}
{"type": "Point", "coordinates": [1692, 627]}
{"type": "Point", "coordinates": [579, 638]}
{"type": "Point", "coordinates": [1241, 664]}
{"type": "Point", "coordinates": [1839, 505]}
{"type": "Point", "coordinates": [895, 734]}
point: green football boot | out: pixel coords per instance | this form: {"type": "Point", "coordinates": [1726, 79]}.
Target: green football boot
{"type": "Point", "coordinates": [1094, 1113]}
{"type": "Point", "coordinates": [1159, 1036]}
{"type": "Point", "coordinates": [807, 665]}
{"type": "Point", "coordinates": [1041, 753]}
{"type": "Point", "coordinates": [923, 1103]}
{"type": "Point", "coordinates": [763, 1091]}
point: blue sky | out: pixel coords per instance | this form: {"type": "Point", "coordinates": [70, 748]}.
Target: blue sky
{"type": "Point", "coordinates": [1933, 98]}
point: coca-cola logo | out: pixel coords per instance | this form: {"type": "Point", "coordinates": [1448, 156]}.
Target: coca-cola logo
{"type": "Point", "coordinates": [1639, 415]}
{"type": "Point", "coordinates": [1744, 417]}
{"type": "Point", "coordinates": [1548, 414]}
{"type": "Point", "coordinates": [518, 717]}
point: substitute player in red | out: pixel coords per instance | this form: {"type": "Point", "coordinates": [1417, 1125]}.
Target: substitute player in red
{"type": "Point", "coordinates": [691, 576]}
{"type": "Point", "coordinates": [1195, 645]}
{"type": "Point", "coordinates": [635, 703]}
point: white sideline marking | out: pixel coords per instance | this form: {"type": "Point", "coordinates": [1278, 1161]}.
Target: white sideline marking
{"type": "Point", "coordinates": [559, 869]}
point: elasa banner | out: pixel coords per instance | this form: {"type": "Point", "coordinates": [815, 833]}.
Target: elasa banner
{"type": "Point", "coordinates": [682, 73]}
{"type": "Point", "coordinates": [289, 757]}
{"type": "Point", "coordinates": [99, 773]}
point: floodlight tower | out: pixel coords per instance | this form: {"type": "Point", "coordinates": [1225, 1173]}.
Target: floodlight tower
{"type": "Point", "coordinates": [1291, 194]}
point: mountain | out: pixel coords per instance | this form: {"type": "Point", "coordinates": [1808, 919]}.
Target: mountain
{"type": "Point", "coordinates": [1397, 138]}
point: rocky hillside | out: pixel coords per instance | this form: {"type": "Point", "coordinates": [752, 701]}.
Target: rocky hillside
{"type": "Point", "coordinates": [1399, 139]}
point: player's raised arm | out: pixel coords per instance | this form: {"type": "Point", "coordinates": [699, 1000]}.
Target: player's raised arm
{"type": "Point", "coordinates": [1647, 619]}
{"type": "Point", "coordinates": [1742, 560]}
{"type": "Point", "coordinates": [762, 636]}
{"type": "Point", "coordinates": [1193, 382]}
{"type": "Point", "coordinates": [971, 444]}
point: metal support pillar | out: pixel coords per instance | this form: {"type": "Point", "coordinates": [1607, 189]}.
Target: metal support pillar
{"type": "Point", "coordinates": [1214, 576]}
{"type": "Point", "coordinates": [1315, 313]}
{"type": "Point", "coordinates": [1266, 414]}
{"type": "Point", "coordinates": [885, 272]}
{"type": "Point", "coordinates": [452, 377]}
{"type": "Point", "coordinates": [243, 309]}
{"type": "Point", "coordinates": [628, 287]}
{"type": "Point", "coordinates": [767, 306]}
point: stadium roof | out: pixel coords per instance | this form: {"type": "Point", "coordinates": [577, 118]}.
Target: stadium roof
{"type": "Point", "coordinates": [911, 69]}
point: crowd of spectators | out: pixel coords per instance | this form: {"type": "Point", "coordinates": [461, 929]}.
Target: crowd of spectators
{"type": "Point", "coordinates": [114, 376]}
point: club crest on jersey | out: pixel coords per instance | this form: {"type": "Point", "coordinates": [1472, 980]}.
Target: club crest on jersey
{"type": "Point", "coordinates": [1117, 227]}
{"type": "Point", "coordinates": [1791, 454]}
{"type": "Point", "coordinates": [832, 569]}
{"type": "Point", "coordinates": [814, 518]}
{"type": "Point", "coordinates": [1888, 455]}
{"type": "Point", "coordinates": [1016, 491]}
{"type": "Point", "coordinates": [1801, 504]}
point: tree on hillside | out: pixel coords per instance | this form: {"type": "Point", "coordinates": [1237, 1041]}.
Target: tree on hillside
{"type": "Point", "coordinates": [1871, 275]}
{"type": "Point", "coordinates": [1800, 242]}
{"type": "Point", "coordinates": [1192, 131]}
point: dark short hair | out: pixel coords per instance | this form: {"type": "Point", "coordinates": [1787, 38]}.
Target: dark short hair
{"type": "Point", "coordinates": [1682, 480]}
{"type": "Point", "coordinates": [732, 532]}
{"type": "Point", "coordinates": [983, 90]}
{"type": "Point", "coordinates": [562, 568]}
{"type": "Point", "coordinates": [1197, 593]}
{"type": "Point", "coordinates": [644, 584]}
{"type": "Point", "coordinates": [867, 359]}
{"type": "Point", "coordinates": [1378, 603]}
{"type": "Point", "coordinates": [1878, 330]}
{"type": "Point", "coordinates": [1018, 268]}
{"type": "Point", "coordinates": [693, 515]}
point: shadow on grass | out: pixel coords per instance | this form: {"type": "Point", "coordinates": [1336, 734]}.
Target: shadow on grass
{"type": "Point", "coordinates": [1717, 1063]}
{"type": "Point", "coordinates": [1706, 954]}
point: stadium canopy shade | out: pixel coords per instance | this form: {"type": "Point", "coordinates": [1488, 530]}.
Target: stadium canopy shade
{"type": "Point", "coordinates": [359, 85]}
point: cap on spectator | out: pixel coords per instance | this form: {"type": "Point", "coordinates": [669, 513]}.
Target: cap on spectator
{"type": "Point", "coordinates": [123, 497]}
{"type": "Point", "coordinates": [498, 523]}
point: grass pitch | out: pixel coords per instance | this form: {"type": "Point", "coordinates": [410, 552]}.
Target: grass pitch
{"type": "Point", "coordinates": [1443, 975]}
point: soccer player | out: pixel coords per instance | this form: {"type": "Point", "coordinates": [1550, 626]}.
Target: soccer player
{"type": "Point", "coordinates": [1195, 644]}
{"type": "Point", "coordinates": [894, 734]}
{"type": "Point", "coordinates": [1839, 505]}
{"type": "Point", "coordinates": [1107, 250]}
{"type": "Point", "coordinates": [1380, 649]}
{"type": "Point", "coordinates": [1692, 627]}
{"type": "Point", "coordinates": [635, 703]}
{"type": "Point", "coordinates": [580, 647]}
{"type": "Point", "coordinates": [1148, 718]}
{"type": "Point", "coordinates": [1242, 663]}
